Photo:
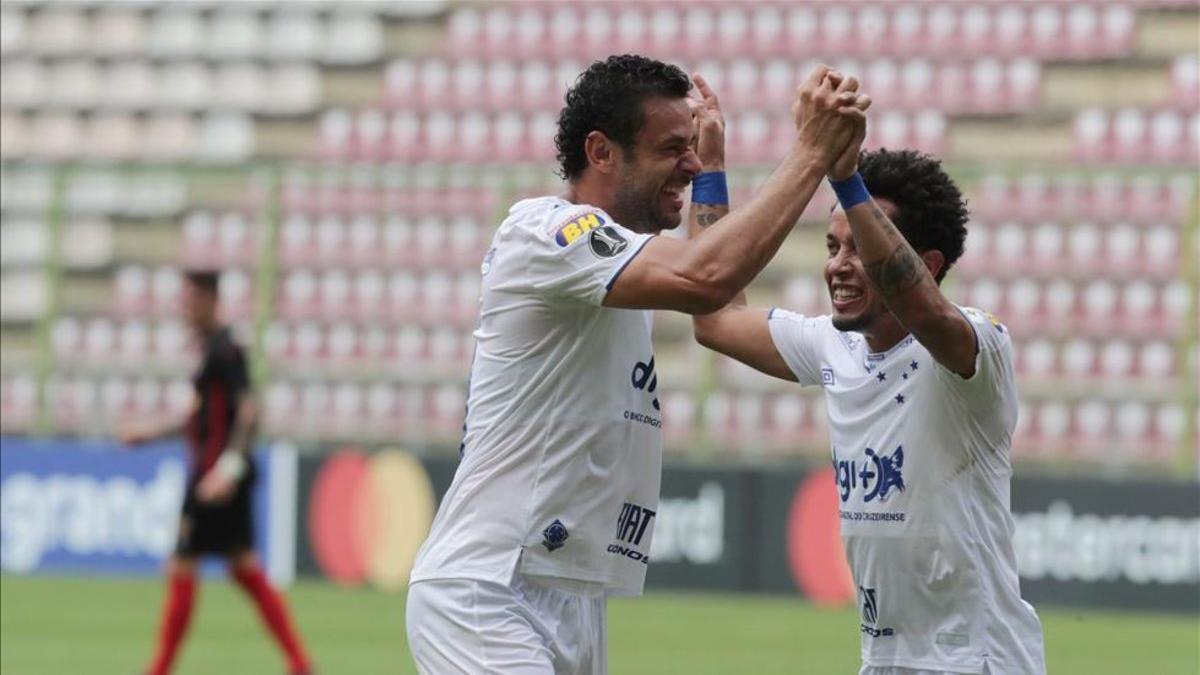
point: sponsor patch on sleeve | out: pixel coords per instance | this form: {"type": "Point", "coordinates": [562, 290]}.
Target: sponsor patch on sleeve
{"type": "Point", "coordinates": [980, 316]}
{"type": "Point", "coordinates": [570, 231]}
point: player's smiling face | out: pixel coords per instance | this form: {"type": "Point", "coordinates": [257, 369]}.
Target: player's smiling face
{"type": "Point", "coordinates": [652, 178]}
{"type": "Point", "coordinates": [856, 304]}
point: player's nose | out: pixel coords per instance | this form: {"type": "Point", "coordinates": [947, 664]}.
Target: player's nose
{"type": "Point", "coordinates": [690, 164]}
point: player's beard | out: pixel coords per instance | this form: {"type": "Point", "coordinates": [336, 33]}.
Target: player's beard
{"type": "Point", "coordinates": [638, 205]}
{"type": "Point", "coordinates": [859, 323]}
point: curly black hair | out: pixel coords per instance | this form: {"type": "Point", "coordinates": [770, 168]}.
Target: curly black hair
{"type": "Point", "coordinates": [930, 210]}
{"type": "Point", "coordinates": [608, 97]}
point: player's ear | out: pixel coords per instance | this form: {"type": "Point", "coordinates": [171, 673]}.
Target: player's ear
{"type": "Point", "coordinates": [934, 261]}
{"type": "Point", "coordinates": [601, 151]}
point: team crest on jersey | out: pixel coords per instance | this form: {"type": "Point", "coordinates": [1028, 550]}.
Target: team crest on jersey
{"type": "Point", "coordinates": [569, 232]}
{"type": "Point", "coordinates": [555, 535]}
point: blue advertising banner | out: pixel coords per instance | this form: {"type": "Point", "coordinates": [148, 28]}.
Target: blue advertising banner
{"type": "Point", "coordinates": [75, 506]}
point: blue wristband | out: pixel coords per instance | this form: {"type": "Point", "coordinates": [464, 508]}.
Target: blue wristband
{"type": "Point", "coordinates": [851, 191]}
{"type": "Point", "coordinates": [710, 188]}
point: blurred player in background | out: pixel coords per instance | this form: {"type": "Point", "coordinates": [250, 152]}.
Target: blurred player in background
{"type": "Point", "coordinates": [922, 405]}
{"type": "Point", "coordinates": [217, 506]}
{"type": "Point", "coordinates": [552, 507]}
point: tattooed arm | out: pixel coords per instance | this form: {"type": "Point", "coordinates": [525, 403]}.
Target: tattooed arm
{"type": "Point", "coordinates": [905, 279]}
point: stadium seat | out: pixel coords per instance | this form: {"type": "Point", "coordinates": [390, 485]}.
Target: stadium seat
{"type": "Point", "coordinates": [177, 33]}
{"type": "Point", "coordinates": [18, 403]}
{"type": "Point", "coordinates": [59, 31]}
{"type": "Point", "coordinates": [118, 32]}
{"type": "Point", "coordinates": [294, 35]}
{"type": "Point", "coordinates": [13, 31]}
{"type": "Point", "coordinates": [351, 38]}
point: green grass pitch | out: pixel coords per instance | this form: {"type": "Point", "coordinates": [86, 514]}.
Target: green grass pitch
{"type": "Point", "coordinates": [56, 626]}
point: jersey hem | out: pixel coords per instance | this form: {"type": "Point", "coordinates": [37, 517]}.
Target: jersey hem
{"type": "Point", "coordinates": [925, 665]}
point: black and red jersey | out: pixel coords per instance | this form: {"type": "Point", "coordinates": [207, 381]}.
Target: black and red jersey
{"type": "Point", "coordinates": [220, 381]}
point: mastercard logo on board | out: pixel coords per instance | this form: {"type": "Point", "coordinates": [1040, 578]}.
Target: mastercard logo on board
{"type": "Point", "coordinates": [368, 515]}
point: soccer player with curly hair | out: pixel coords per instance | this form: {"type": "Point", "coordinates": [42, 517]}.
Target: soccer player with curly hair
{"type": "Point", "coordinates": [922, 405]}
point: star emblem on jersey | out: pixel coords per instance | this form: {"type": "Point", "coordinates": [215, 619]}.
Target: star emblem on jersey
{"type": "Point", "coordinates": [882, 376]}
{"type": "Point", "coordinates": [900, 398]}
{"type": "Point", "coordinates": [555, 535]}
{"type": "Point", "coordinates": [913, 365]}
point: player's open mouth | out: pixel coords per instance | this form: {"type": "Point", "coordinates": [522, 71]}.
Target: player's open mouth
{"type": "Point", "coordinates": [675, 195]}
{"type": "Point", "coordinates": [844, 297]}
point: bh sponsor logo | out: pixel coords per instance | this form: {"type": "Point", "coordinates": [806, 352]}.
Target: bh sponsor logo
{"type": "Point", "coordinates": [367, 516]}
{"type": "Point", "coordinates": [576, 228]}
{"type": "Point", "coordinates": [878, 476]}
{"type": "Point", "coordinates": [632, 526]}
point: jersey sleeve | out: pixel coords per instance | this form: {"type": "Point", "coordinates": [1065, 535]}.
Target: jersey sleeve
{"type": "Point", "coordinates": [993, 380]}
{"type": "Point", "coordinates": [578, 253]}
{"type": "Point", "coordinates": [798, 340]}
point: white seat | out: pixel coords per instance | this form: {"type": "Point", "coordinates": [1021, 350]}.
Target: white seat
{"type": "Point", "coordinates": [57, 136]}
{"type": "Point", "coordinates": [23, 82]}
{"type": "Point", "coordinates": [294, 35]}
{"type": "Point", "coordinates": [59, 31]}
{"type": "Point", "coordinates": [234, 34]}
{"type": "Point", "coordinates": [1040, 357]}
{"type": "Point", "coordinates": [23, 242]}
{"type": "Point", "coordinates": [174, 137]}
{"type": "Point", "coordinates": [1116, 358]}
{"type": "Point", "coordinates": [131, 85]}
{"type": "Point", "coordinates": [226, 137]}
{"type": "Point", "coordinates": [13, 30]}
{"type": "Point", "coordinates": [353, 38]}
{"type": "Point", "coordinates": [119, 32]}
{"type": "Point", "coordinates": [74, 84]}
{"type": "Point", "coordinates": [185, 86]}
{"type": "Point", "coordinates": [307, 341]}
{"type": "Point", "coordinates": [1093, 417]}
{"type": "Point", "coordinates": [113, 136]}
{"type": "Point", "coordinates": [240, 87]}
{"type": "Point", "coordinates": [1100, 298]}
{"type": "Point", "coordinates": [176, 32]}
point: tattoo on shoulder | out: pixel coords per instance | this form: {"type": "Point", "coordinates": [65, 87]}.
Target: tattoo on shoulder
{"type": "Point", "coordinates": [898, 272]}
{"type": "Point", "coordinates": [706, 218]}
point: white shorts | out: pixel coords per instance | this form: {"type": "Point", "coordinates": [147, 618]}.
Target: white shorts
{"type": "Point", "coordinates": [469, 627]}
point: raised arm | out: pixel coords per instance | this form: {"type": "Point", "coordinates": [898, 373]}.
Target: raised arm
{"type": "Point", "coordinates": [701, 275]}
{"type": "Point", "coordinates": [904, 278]}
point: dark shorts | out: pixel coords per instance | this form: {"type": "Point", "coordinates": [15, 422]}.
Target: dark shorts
{"type": "Point", "coordinates": [217, 529]}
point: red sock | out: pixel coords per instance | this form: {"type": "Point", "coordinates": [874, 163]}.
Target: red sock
{"type": "Point", "coordinates": [177, 611]}
{"type": "Point", "coordinates": [274, 612]}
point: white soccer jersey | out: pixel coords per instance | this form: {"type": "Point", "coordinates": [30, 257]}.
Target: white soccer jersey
{"type": "Point", "coordinates": [562, 448]}
{"type": "Point", "coordinates": [921, 458]}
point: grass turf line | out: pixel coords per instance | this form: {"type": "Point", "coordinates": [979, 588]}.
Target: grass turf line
{"type": "Point", "coordinates": [52, 626]}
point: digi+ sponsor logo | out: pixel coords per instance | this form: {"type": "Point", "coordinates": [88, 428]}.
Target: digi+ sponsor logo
{"type": "Point", "coordinates": [878, 476]}
{"type": "Point", "coordinates": [632, 525]}
{"type": "Point", "coordinates": [644, 379]}
{"type": "Point", "coordinates": [869, 606]}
